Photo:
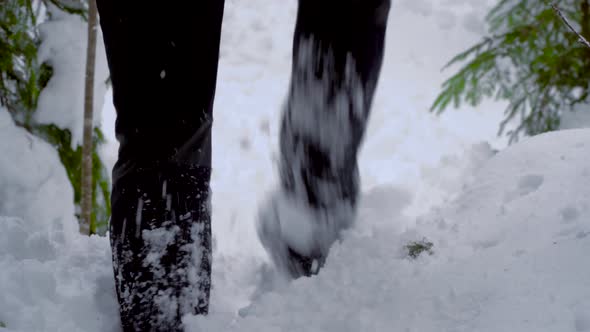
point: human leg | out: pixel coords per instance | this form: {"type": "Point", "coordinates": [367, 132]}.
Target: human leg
{"type": "Point", "coordinates": [337, 56]}
{"type": "Point", "coordinates": [163, 62]}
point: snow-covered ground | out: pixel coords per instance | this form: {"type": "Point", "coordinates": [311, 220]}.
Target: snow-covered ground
{"type": "Point", "coordinates": [508, 255]}
{"type": "Point", "coordinates": [510, 231]}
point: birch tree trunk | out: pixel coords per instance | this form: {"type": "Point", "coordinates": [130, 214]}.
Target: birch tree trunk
{"type": "Point", "coordinates": [86, 224]}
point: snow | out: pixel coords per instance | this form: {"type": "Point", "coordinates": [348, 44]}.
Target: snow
{"type": "Point", "coordinates": [34, 188]}
{"type": "Point", "coordinates": [69, 290]}
{"type": "Point", "coordinates": [579, 117]}
{"type": "Point", "coordinates": [47, 268]}
{"type": "Point", "coordinates": [509, 229]}
{"type": "Point", "coordinates": [64, 48]}
{"type": "Point", "coordinates": [508, 256]}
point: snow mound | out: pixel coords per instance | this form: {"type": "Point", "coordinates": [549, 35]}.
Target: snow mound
{"type": "Point", "coordinates": [509, 255]}
{"type": "Point", "coordinates": [48, 269]}
{"type": "Point", "coordinates": [70, 289]}
{"type": "Point", "coordinates": [33, 187]}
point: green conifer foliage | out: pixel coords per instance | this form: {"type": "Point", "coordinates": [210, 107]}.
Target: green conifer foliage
{"type": "Point", "coordinates": [22, 79]}
{"type": "Point", "coordinates": [528, 58]}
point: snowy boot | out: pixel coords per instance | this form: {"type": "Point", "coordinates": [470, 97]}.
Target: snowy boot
{"type": "Point", "coordinates": [338, 51]}
{"type": "Point", "coordinates": [161, 242]}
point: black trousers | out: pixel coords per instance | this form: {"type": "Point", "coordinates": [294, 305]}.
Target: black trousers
{"type": "Point", "coordinates": [163, 59]}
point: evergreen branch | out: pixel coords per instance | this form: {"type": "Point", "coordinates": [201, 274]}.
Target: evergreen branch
{"type": "Point", "coordinates": [567, 22]}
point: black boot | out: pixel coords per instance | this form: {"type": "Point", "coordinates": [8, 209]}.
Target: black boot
{"type": "Point", "coordinates": [161, 243]}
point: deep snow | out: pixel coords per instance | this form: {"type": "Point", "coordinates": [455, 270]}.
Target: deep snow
{"type": "Point", "coordinates": [508, 256]}
{"type": "Point", "coordinates": [510, 231]}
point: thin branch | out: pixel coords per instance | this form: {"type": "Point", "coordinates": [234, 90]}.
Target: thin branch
{"type": "Point", "coordinates": [567, 22]}
{"type": "Point", "coordinates": [87, 225]}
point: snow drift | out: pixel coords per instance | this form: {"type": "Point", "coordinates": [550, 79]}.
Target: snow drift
{"type": "Point", "coordinates": [509, 255]}
{"type": "Point", "coordinates": [33, 187]}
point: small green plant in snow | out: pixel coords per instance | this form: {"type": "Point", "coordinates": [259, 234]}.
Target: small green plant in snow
{"type": "Point", "coordinates": [416, 248]}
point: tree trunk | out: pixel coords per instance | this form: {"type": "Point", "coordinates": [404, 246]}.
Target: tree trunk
{"type": "Point", "coordinates": [86, 223]}
{"type": "Point", "coordinates": [585, 7]}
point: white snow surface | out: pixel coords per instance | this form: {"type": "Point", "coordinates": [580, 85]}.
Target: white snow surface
{"type": "Point", "coordinates": [34, 188]}
{"type": "Point", "coordinates": [508, 255]}
{"type": "Point", "coordinates": [510, 231]}
{"type": "Point", "coordinates": [579, 117]}
{"type": "Point", "coordinates": [64, 48]}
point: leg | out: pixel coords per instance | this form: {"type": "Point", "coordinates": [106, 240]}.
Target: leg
{"type": "Point", "coordinates": [337, 56]}
{"type": "Point", "coordinates": [163, 64]}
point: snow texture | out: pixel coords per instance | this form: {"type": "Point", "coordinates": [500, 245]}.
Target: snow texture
{"type": "Point", "coordinates": [510, 230]}
{"type": "Point", "coordinates": [579, 117]}
{"type": "Point", "coordinates": [35, 189]}
{"type": "Point", "coordinates": [63, 47]}
{"type": "Point", "coordinates": [507, 256]}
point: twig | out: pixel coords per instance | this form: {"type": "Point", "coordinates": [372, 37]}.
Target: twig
{"type": "Point", "coordinates": [567, 22]}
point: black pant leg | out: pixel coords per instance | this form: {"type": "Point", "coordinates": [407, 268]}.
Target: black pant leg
{"type": "Point", "coordinates": [337, 57]}
{"type": "Point", "coordinates": [163, 60]}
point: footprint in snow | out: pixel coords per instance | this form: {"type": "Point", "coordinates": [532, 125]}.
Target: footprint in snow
{"type": "Point", "coordinates": [569, 214]}
{"type": "Point", "coordinates": [526, 185]}
{"type": "Point", "coordinates": [530, 183]}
